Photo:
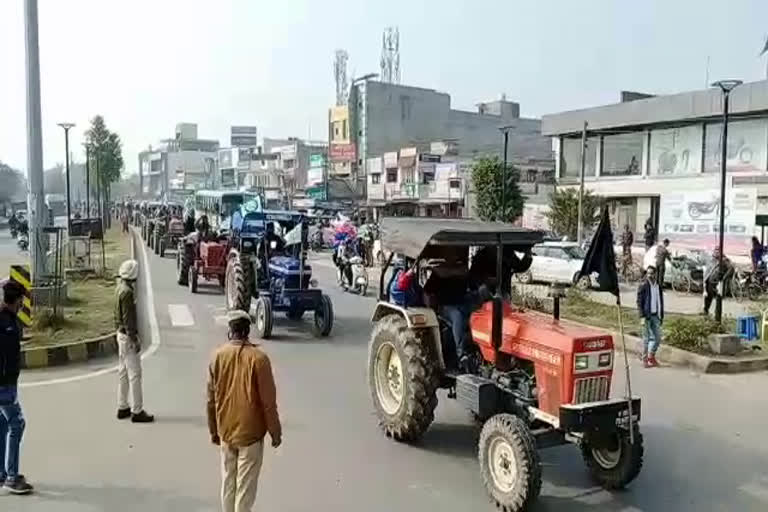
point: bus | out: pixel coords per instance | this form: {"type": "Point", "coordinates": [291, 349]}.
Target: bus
{"type": "Point", "coordinates": [219, 205]}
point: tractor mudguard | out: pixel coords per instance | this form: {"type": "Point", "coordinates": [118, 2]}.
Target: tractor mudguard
{"type": "Point", "coordinates": [417, 319]}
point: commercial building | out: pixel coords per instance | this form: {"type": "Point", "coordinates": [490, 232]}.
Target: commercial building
{"type": "Point", "coordinates": [659, 158]}
{"type": "Point", "coordinates": [385, 117]}
{"type": "Point", "coordinates": [183, 162]}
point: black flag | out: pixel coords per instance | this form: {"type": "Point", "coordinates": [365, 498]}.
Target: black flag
{"type": "Point", "coordinates": [601, 258]}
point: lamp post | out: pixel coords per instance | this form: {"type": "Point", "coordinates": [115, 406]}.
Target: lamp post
{"type": "Point", "coordinates": [66, 127]}
{"type": "Point", "coordinates": [726, 86]}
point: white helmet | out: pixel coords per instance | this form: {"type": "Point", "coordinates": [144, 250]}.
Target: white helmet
{"type": "Point", "coordinates": [129, 270]}
{"type": "Point", "coordinates": [236, 315]}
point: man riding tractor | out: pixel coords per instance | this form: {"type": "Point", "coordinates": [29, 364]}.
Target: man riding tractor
{"type": "Point", "coordinates": [189, 248]}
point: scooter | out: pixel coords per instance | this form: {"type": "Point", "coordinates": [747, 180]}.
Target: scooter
{"type": "Point", "coordinates": [23, 242]}
{"type": "Point", "coordinates": [359, 283]}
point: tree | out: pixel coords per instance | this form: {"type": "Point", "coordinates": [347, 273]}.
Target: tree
{"type": "Point", "coordinates": [563, 211]}
{"type": "Point", "coordinates": [11, 183]}
{"type": "Point", "coordinates": [487, 183]}
{"type": "Point", "coordinates": [106, 148]}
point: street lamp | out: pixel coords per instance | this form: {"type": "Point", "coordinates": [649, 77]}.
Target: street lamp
{"type": "Point", "coordinates": [66, 127]}
{"type": "Point", "coordinates": [726, 86]}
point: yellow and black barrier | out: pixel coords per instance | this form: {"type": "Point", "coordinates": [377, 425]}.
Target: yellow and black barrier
{"type": "Point", "coordinates": [21, 275]}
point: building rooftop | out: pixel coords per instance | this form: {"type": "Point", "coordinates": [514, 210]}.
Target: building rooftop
{"type": "Point", "coordinates": [681, 108]}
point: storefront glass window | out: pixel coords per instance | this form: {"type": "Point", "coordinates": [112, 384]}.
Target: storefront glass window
{"type": "Point", "coordinates": [622, 154]}
{"type": "Point", "coordinates": [747, 144]}
{"type": "Point", "coordinates": [676, 151]}
{"type": "Point", "coordinates": [571, 163]}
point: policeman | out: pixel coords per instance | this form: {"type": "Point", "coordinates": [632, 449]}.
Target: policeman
{"type": "Point", "coordinates": [129, 348]}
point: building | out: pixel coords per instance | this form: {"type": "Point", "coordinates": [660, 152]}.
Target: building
{"type": "Point", "coordinates": [296, 158]}
{"type": "Point", "coordinates": [183, 162]}
{"type": "Point", "coordinates": [659, 158]}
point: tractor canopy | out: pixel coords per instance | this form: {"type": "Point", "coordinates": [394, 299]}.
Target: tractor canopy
{"type": "Point", "coordinates": [254, 223]}
{"type": "Point", "coordinates": [415, 237]}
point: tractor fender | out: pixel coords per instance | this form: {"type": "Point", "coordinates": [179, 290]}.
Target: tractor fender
{"type": "Point", "coordinates": [420, 319]}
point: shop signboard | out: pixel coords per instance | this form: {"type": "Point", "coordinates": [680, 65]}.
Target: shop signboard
{"type": "Point", "coordinates": [243, 136]}
{"type": "Point", "coordinates": [390, 160]}
{"type": "Point", "coordinates": [317, 160]}
{"type": "Point", "coordinates": [692, 218]}
{"type": "Point", "coordinates": [314, 175]}
{"type": "Point", "coordinates": [343, 153]}
{"type": "Point", "coordinates": [316, 192]}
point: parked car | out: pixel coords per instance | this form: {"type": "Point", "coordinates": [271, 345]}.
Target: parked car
{"type": "Point", "coordinates": [557, 262]}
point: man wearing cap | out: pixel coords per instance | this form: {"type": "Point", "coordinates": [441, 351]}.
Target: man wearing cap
{"type": "Point", "coordinates": [128, 347]}
{"type": "Point", "coordinates": [242, 408]}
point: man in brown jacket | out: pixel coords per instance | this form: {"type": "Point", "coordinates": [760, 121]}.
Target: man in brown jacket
{"type": "Point", "coordinates": [242, 408]}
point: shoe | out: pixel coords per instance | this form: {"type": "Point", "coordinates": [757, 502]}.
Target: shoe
{"type": "Point", "coordinates": [19, 486]}
{"type": "Point", "coordinates": [652, 360]}
{"type": "Point", "coordinates": [142, 417]}
{"type": "Point", "coordinates": [646, 362]}
{"type": "Point", "coordinates": [123, 414]}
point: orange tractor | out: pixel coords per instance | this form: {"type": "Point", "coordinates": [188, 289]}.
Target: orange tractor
{"type": "Point", "coordinates": [533, 381]}
{"type": "Point", "coordinates": [200, 259]}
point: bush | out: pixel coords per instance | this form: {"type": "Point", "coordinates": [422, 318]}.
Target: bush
{"type": "Point", "coordinates": [690, 333]}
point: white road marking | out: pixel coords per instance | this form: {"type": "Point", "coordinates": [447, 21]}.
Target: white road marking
{"type": "Point", "coordinates": [153, 329]}
{"type": "Point", "coordinates": [180, 315]}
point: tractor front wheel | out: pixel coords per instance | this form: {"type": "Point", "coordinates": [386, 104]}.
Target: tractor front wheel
{"type": "Point", "coordinates": [162, 248]}
{"type": "Point", "coordinates": [238, 285]}
{"type": "Point", "coordinates": [509, 463]}
{"type": "Point", "coordinates": [263, 317]}
{"type": "Point", "coordinates": [323, 317]}
{"type": "Point", "coordinates": [617, 462]}
{"type": "Point", "coordinates": [403, 377]}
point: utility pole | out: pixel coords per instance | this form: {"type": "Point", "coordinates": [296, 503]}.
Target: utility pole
{"type": "Point", "coordinates": [579, 228]}
{"type": "Point", "coordinates": [36, 199]}
{"type": "Point", "coordinates": [504, 179]}
{"type": "Point", "coordinates": [87, 182]}
{"type": "Point", "coordinates": [66, 127]}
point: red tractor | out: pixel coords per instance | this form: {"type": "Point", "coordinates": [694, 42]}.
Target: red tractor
{"type": "Point", "coordinates": [533, 381]}
{"type": "Point", "coordinates": [207, 259]}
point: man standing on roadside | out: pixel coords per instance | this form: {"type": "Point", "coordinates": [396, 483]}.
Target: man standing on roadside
{"type": "Point", "coordinates": [128, 347]}
{"type": "Point", "coordinates": [650, 305]}
{"type": "Point", "coordinates": [627, 239]}
{"type": "Point", "coordinates": [242, 408]}
{"type": "Point", "coordinates": [11, 418]}
{"type": "Point", "coordinates": [662, 255]}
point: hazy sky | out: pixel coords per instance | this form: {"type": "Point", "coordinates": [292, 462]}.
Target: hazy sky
{"type": "Point", "coordinates": [145, 65]}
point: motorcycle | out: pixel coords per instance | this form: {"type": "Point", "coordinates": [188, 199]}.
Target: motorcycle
{"type": "Point", "coordinates": [23, 242]}
{"type": "Point", "coordinates": [703, 208]}
{"type": "Point", "coordinates": [359, 281]}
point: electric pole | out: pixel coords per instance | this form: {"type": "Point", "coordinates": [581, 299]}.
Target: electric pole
{"type": "Point", "coordinates": [35, 199]}
{"type": "Point", "coordinates": [579, 228]}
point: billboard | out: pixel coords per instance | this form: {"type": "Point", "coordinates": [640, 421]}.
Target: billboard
{"type": "Point", "coordinates": [243, 136]}
{"type": "Point", "coordinates": [692, 218]}
{"type": "Point", "coordinates": [676, 151]}
{"type": "Point", "coordinates": [314, 175]}
{"type": "Point", "coordinates": [343, 153]}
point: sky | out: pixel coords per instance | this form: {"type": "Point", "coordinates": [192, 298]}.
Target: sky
{"type": "Point", "coordinates": [147, 64]}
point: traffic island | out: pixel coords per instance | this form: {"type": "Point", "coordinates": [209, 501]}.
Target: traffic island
{"type": "Point", "coordinates": [83, 326]}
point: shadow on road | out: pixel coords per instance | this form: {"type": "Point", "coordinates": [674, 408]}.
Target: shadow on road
{"type": "Point", "coordinates": [452, 439]}
{"type": "Point", "coordinates": [104, 497]}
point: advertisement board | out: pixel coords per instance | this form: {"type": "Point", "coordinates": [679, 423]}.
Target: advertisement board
{"type": "Point", "coordinates": [692, 218]}
{"type": "Point", "coordinates": [746, 146]}
{"type": "Point", "coordinates": [243, 136]}
{"type": "Point", "coordinates": [343, 153]}
{"type": "Point", "coordinates": [676, 151]}
{"type": "Point", "coordinates": [317, 160]}
{"type": "Point", "coordinates": [314, 175]}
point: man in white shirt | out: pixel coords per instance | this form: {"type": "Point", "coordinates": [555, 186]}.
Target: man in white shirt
{"type": "Point", "coordinates": [650, 306]}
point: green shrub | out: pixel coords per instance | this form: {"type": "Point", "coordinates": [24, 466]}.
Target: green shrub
{"type": "Point", "coordinates": [690, 333]}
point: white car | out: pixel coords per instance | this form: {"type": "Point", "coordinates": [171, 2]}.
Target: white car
{"type": "Point", "coordinates": [557, 262]}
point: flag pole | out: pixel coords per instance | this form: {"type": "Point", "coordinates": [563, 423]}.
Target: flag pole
{"type": "Point", "coordinates": [628, 380]}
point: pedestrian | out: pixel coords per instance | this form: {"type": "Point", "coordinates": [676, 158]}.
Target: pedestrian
{"type": "Point", "coordinates": [129, 347]}
{"type": "Point", "coordinates": [242, 408]}
{"type": "Point", "coordinates": [662, 255]}
{"type": "Point", "coordinates": [712, 278]}
{"type": "Point", "coordinates": [11, 417]}
{"type": "Point", "coordinates": [650, 306]}
{"type": "Point", "coordinates": [627, 239]}
{"type": "Point", "coordinates": [650, 234]}
{"type": "Point", "coordinates": [756, 255]}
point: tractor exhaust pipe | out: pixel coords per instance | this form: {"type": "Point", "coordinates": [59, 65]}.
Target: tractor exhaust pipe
{"type": "Point", "coordinates": [557, 292]}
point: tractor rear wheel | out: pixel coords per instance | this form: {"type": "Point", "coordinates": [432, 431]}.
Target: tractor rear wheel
{"type": "Point", "coordinates": [403, 377]}
{"type": "Point", "coordinates": [509, 463]}
{"type": "Point", "coordinates": [323, 317]}
{"type": "Point", "coordinates": [237, 287]}
{"type": "Point", "coordinates": [616, 464]}
{"type": "Point", "coordinates": [184, 259]}
{"type": "Point", "coordinates": [263, 317]}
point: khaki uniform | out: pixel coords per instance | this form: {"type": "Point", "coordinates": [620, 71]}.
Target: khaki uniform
{"type": "Point", "coordinates": [128, 349]}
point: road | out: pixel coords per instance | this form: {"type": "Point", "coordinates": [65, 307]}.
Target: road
{"type": "Point", "coordinates": [704, 435]}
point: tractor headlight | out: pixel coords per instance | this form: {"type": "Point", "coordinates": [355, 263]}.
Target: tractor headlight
{"type": "Point", "coordinates": [605, 359]}
{"type": "Point", "coordinates": [581, 362]}
{"type": "Point", "coordinates": [247, 244]}
{"type": "Point", "coordinates": [313, 282]}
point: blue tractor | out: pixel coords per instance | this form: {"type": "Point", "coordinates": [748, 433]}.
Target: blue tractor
{"type": "Point", "coordinates": [264, 266]}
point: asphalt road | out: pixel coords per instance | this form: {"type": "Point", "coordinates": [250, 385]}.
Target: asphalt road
{"type": "Point", "coordinates": [704, 435]}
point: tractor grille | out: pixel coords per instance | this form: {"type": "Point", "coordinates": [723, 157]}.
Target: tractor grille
{"type": "Point", "coordinates": [591, 389]}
